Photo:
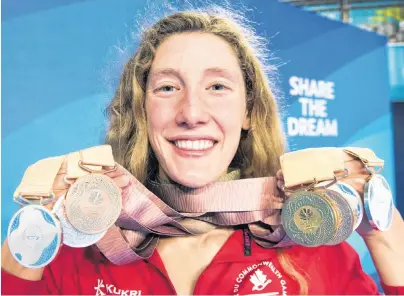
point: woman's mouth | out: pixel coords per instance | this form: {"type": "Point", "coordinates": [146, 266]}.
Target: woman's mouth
{"type": "Point", "coordinates": [194, 144]}
{"type": "Point", "coordinates": [193, 148]}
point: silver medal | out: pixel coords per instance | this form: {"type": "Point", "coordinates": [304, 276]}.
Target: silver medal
{"type": "Point", "coordinates": [379, 203]}
{"type": "Point", "coordinates": [34, 236]}
{"type": "Point", "coordinates": [71, 236]}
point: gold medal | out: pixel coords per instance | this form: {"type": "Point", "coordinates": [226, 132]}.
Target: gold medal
{"type": "Point", "coordinates": [351, 196]}
{"type": "Point", "coordinates": [93, 203]}
{"type": "Point", "coordinates": [343, 213]}
{"type": "Point", "coordinates": [308, 218]}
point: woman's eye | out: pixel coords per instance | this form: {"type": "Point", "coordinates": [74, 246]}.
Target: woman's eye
{"type": "Point", "coordinates": [218, 86]}
{"type": "Point", "coordinates": [166, 88]}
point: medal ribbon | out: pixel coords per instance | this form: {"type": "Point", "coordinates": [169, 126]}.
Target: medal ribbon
{"type": "Point", "coordinates": [37, 182]}
{"type": "Point", "coordinates": [90, 160]}
{"type": "Point", "coordinates": [148, 214]}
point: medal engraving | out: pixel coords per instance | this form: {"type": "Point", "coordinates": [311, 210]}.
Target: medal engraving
{"type": "Point", "coordinates": [308, 219]}
{"type": "Point", "coordinates": [345, 216]}
{"type": "Point", "coordinates": [93, 204]}
{"type": "Point", "coordinates": [354, 200]}
{"type": "Point", "coordinates": [351, 196]}
{"type": "Point", "coordinates": [71, 236]}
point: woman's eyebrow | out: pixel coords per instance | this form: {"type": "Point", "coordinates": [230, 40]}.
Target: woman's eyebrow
{"type": "Point", "coordinates": [221, 72]}
{"type": "Point", "coordinates": [155, 74]}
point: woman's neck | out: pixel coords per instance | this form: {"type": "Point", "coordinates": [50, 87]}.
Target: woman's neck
{"type": "Point", "coordinates": [230, 175]}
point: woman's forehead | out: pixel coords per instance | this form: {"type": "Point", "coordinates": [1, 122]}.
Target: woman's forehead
{"type": "Point", "coordinates": [195, 52]}
{"type": "Point", "coordinates": [195, 45]}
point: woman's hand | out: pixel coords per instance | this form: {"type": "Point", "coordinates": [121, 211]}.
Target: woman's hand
{"type": "Point", "coordinates": [385, 247]}
{"type": "Point", "coordinates": [357, 179]}
{"type": "Point", "coordinates": [120, 176]}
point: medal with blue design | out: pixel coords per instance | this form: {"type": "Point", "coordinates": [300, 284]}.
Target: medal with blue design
{"type": "Point", "coordinates": [34, 236]}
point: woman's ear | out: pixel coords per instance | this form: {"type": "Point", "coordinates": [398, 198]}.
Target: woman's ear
{"type": "Point", "coordinates": [246, 123]}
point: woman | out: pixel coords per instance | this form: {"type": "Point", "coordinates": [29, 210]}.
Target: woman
{"type": "Point", "coordinates": [192, 107]}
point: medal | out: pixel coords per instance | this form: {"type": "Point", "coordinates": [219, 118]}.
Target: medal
{"type": "Point", "coordinates": [344, 215]}
{"type": "Point", "coordinates": [93, 203]}
{"type": "Point", "coordinates": [352, 197]}
{"type": "Point", "coordinates": [308, 219]}
{"type": "Point", "coordinates": [34, 236]}
{"type": "Point", "coordinates": [71, 236]}
{"type": "Point", "coordinates": [378, 201]}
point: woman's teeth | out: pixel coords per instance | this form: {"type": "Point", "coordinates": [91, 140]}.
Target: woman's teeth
{"type": "Point", "coordinates": [194, 145]}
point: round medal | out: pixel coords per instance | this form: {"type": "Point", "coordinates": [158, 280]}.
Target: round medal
{"type": "Point", "coordinates": [308, 219]}
{"type": "Point", "coordinates": [93, 203]}
{"type": "Point", "coordinates": [71, 236]}
{"type": "Point", "coordinates": [378, 203]}
{"type": "Point", "coordinates": [353, 198]}
{"type": "Point", "coordinates": [345, 217]}
{"type": "Point", "coordinates": [34, 236]}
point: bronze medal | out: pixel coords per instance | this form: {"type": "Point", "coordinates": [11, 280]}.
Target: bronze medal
{"type": "Point", "coordinates": [93, 203]}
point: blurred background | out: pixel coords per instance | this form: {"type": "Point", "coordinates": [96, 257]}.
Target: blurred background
{"type": "Point", "coordinates": [340, 77]}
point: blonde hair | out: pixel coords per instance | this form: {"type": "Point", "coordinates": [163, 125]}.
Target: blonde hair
{"type": "Point", "coordinates": [259, 149]}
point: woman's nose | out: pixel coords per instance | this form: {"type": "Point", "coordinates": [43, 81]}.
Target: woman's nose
{"type": "Point", "coordinates": [192, 112]}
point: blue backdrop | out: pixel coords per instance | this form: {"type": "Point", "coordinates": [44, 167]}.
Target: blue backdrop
{"type": "Point", "coordinates": [62, 59]}
{"type": "Point", "coordinates": [396, 73]}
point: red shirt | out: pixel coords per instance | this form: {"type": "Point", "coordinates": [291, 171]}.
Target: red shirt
{"type": "Point", "coordinates": [329, 270]}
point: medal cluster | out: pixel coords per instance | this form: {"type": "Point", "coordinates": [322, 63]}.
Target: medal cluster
{"type": "Point", "coordinates": [79, 218]}
{"type": "Point", "coordinates": [325, 210]}
{"type": "Point", "coordinates": [322, 209]}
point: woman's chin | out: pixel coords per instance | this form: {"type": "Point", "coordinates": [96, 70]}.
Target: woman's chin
{"type": "Point", "coordinates": [194, 180]}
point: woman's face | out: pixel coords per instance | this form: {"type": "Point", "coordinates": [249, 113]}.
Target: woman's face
{"type": "Point", "coordinates": [196, 107]}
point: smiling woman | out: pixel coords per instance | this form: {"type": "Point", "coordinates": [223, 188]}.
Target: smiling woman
{"type": "Point", "coordinates": [204, 107]}
{"type": "Point", "coordinates": [194, 107]}
{"type": "Point", "coordinates": [200, 79]}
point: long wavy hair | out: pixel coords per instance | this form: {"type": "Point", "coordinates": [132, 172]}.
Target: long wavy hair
{"type": "Point", "coordinates": [260, 147]}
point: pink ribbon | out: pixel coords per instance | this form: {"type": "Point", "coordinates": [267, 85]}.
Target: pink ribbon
{"type": "Point", "coordinates": [148, 214]}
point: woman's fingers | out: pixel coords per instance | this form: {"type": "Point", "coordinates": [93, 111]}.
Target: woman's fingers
{"type": "Point", "coordinates": [121, 181]}
{"type": "Point", "coordinates": [280, 184]}
{"type": "Point", "coordinates": [279, 175]}
{"type": "Point", "coordinates": [119, 171]}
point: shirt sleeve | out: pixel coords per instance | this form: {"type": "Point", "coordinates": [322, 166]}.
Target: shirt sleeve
{"type": "Point", "coordinates": [350, 279]}
{"type": "Point", "coordinates": [12, 285]}
{"type": "Point", "coordinates": [56, 276]}
{"type": "Point", "coordinates": [392, 290]}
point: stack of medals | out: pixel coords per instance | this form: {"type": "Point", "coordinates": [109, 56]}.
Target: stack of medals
{"type": "Point", "coordinates": [324, 210]}
{"type": "Point", "coordinates": [79, 219]}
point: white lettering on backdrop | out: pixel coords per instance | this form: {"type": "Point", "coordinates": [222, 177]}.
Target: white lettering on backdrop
{"type": "Point", "coordinates": [313, 98]}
